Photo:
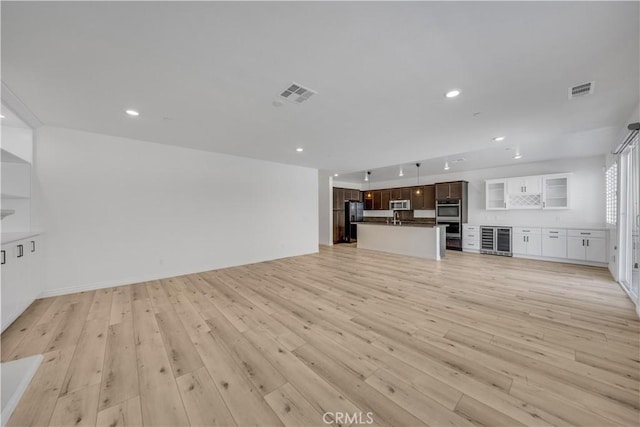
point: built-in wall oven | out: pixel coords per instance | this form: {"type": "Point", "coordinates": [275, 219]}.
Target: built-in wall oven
{"type": "Point", "coordinates": [448, 210]}
{"type": "Point", "coordinates": [449, 213]}
{"type": "Point", "coordinates": [454, 229]}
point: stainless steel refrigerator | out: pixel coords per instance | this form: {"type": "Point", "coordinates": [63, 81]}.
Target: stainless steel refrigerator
{"type": "Point", "coordinates": [352, 215]}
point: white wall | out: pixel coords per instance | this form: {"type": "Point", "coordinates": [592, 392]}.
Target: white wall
{"type": "Point", "coordinates": [325, 207]}
{"type": "Point", "coordinates": [587, 193]}
{"type": "Point", "coordinates": [118, 211]}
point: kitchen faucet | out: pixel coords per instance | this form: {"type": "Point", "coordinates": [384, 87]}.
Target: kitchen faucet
{"type": "Point", "coordinates": [396, 215]}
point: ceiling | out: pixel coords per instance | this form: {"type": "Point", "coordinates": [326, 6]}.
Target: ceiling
{"type": "Point", "coordinates": [9, 118]}
{"type": "Point", "coordinates": [205, 75]}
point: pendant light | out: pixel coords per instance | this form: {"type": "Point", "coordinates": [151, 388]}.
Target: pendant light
{"type": "Point", "coordinates": [368, 180]}
{"type": "Point", "coordinates": [418, 178]}
{"type": "Point", "coordinates": [401, 173]}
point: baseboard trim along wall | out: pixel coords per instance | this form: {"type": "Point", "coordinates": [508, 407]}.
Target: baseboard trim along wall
{"type": "Point", "coordinates": [135, 280]}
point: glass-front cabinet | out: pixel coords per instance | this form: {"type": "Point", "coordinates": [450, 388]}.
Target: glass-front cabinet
{"type": "Point", "coordinates": [555, 191]}
{"type": "Point", "coordinates": [496, 194]}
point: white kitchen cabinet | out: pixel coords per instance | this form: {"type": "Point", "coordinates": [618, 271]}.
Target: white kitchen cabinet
{"type": "Point", "coordinates": [528, 192]}
{"type": "Point", "coordinates": [470, 238]}
{"type": "Point", "coordinates": [587, 245]}
{"type": "Point", "coordinates": [524, 192]}
{"type": "Point", "coordinates": [496, 194]}
{"type": "Point", "coordinates": [21, 281]}
{"type": "Point", "coordinates": [527, 241]}
{"type": "Point", "coordinates": [554, 243]}
{"type": "Point", "coordinates": [555, 193]}
{"type": "Point", "coordinates": [524, 185]}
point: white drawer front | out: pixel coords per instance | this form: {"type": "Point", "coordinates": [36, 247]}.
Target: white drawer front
{"type": "Point", "coordinates": [526, 230]}
{"type": "Point", "coordinates": [470, 228]}
{"type": "Point", "coordinates": [471, 236]}
{"type": "Point", "coordinates": [599, 234]}
{"type": "Point", "coordinates": [470, 244]}
{"type": "Point", "coordinates": [554, 232]}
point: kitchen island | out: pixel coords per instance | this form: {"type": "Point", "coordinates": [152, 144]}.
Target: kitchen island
{"type": "Point", "coordinates": [419, 240]}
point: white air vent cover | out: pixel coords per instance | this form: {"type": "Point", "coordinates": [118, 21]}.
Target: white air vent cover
{"type": "Point", "coordinates": [581, 90]}
{"type": "Point", "coordinates": [297, 93]}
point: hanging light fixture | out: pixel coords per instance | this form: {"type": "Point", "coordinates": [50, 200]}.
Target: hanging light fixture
{"type": "Point", "coordinates": [446, 166]}
{"type": "Point", "coordinates": [418, 178]}
{"type": "Point", "coordinates": [366, 178]}
{"type": "Point", "coordinates": [401, 173]}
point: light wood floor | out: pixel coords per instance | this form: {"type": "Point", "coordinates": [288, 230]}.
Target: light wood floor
{"type": "Point", "coordinates": [473, 339]}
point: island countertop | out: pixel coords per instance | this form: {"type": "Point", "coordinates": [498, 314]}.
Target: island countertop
{"type": "Point", "coordinates": [404, 224]}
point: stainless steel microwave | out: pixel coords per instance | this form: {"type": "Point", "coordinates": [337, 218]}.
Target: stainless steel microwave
{"type": "Point", "coordinates": [400, 205]}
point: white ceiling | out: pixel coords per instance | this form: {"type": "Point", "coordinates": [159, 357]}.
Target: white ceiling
{"type": "Point", "coordinates": [205, 74]}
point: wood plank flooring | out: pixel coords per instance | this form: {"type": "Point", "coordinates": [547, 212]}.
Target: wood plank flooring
{"type": "Point", "coordinates": [343, 337]}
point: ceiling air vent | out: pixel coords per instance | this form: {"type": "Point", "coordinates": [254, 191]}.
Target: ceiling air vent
{"type": "Point", "coordinates": [581, 90]}
{"type": "Point", "coordinates": [297, 93]}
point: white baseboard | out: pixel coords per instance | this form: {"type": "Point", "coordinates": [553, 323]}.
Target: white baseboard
{"type": "Point", "coordinates": [563, 260]}
{"type": "Point", "coordinates": [144, 278]}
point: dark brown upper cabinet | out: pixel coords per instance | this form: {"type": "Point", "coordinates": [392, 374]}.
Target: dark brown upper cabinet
{"type": "Point", "coordinates": [449, 190]}
{"type": "Point", "coordinates": [417, 197]}
{"type": "Point", "coordinates": [429, 197]}
{"type": "Point", "coordinates": [377, 200]}
{"type": "Point", "coordinates": [406, 193]}
{"type": "Point", "coordinates": [385, 196]}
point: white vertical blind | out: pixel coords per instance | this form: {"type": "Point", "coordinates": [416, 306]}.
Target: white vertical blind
{"type": "Point", "coordinates": [612, 190]}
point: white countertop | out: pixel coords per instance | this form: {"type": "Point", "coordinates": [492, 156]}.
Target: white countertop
{"type": "Point", "coordinates": [510, 224]}
{"type": "Point", "coordinates": [18, 235]}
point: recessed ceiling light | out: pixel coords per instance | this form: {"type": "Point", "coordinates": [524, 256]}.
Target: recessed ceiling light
{"type": "Point", "coordinates": [335, 174]}
{"type": "Point", "coordinates": [299, 150]}
{"type": "Point", "coordinates": [132, 113]}
{"type": "Point", "coordinates": [1, 116]}
{"type": "Point", "coordinates": [499, 138]}
{"type": "Point", "coordinates": [517, 156]}
{"type": "Point", "coordinates": [452, 93]}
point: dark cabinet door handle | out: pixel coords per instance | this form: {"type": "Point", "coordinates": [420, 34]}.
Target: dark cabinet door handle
{"type": "Point", "coordinates": [33, 246]}
{"type": "Point", "coordinates": [582, 242]}
{"type": "Point", "coordinates": [4, 257]}
{"type": "Point", "coordinates": [20, 251]}
{"type": "Point", "coordinates": [587, 242]}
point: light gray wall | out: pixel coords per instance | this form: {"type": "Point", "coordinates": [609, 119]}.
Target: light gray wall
{"type": "Point", "coordinates": [117, 211]}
